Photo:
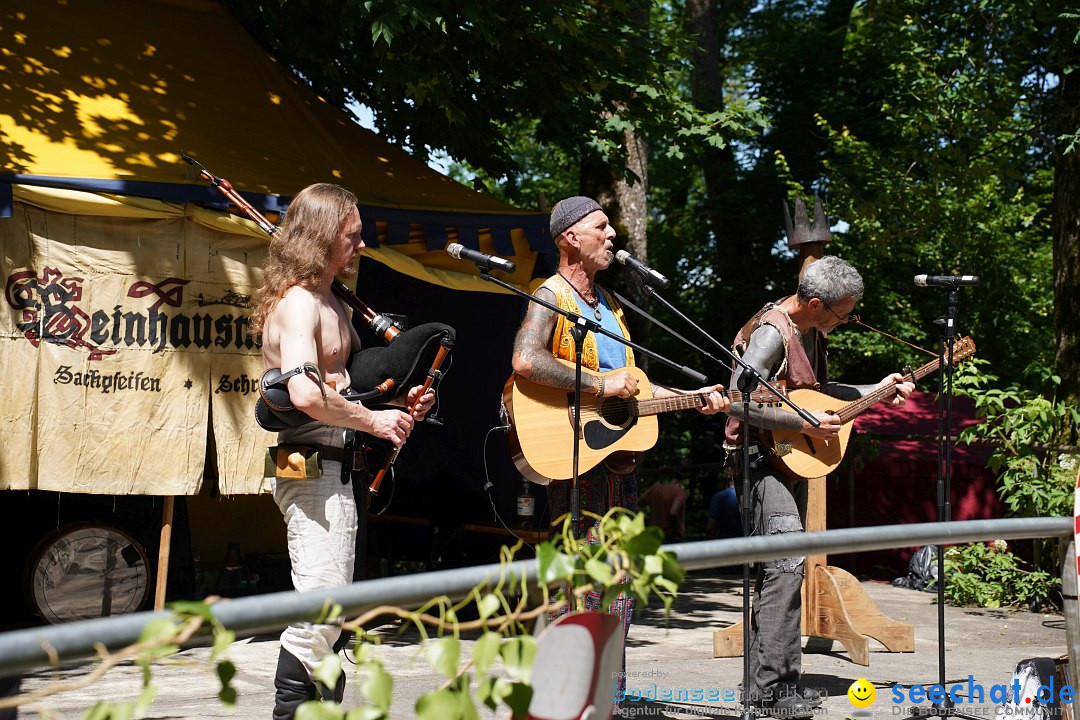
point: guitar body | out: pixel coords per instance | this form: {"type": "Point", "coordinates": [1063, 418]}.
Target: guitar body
{"type": "Point", "coordinates": [542, 427]}
{"type": "Point", "coordinates": [801, 456]}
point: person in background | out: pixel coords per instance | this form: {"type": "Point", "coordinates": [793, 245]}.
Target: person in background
{"type": "Point", "coordinates": [723, 519]}
{"type": "Point", "coordinates": [667, 509]}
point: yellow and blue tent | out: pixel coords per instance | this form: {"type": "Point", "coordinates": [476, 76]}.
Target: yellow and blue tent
{"type": "Point", "coordinates": [124, 357]}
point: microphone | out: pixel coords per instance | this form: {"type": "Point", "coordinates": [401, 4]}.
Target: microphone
{"type": "Point", "coordinates": [946, 281]}
{"type": "Point", "coordinates": [483, 261]}
{"type": "Point", "coordinates": [649, 275]}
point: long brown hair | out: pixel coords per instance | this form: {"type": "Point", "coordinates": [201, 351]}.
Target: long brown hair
{"type": "Point", "coordinates": [301, 249]}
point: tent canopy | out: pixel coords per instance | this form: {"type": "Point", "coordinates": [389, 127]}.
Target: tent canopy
{"type": "Point", "coordinates": [104, 96]}
{"type": "Point", "coordinates": [126, 286]}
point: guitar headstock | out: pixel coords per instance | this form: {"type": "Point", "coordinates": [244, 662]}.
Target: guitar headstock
{"type": "Point", "coordinates": [766, 396]}
{"type": "Point", "coordinates": [963, 348]}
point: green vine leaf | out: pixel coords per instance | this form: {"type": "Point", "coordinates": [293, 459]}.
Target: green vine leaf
{"type": "Point", "coordinates": [328, 671]}
{"type": "Point", "coordinates": [518, 698]}
{"type": "Point", "coordinates": [104, 710]}
{"type": "Point", "coordinates": [378, 686]}
{"type": "Point", "coordinates": [443, 655]}
{"type": "Point", "coordinates": [673, 571]}
{"type": "Point", "coordinates": [653, 565]}
{"type": "Point", "coordinates": [645, 542]}
{"type": "Point", "coordinates": [314, 710]}
{"type": "Point", "coordinates": [193, 608]}
{"type": "Point", "coordinates": [159, 630]}
{"type": "Point", "coordinates": [442, 704]}
{"type": "Point", "coordinates": [518, 654]}
{"type": "Point", "coordinates": [226, 671]}
{"type": "Point", "coordinates": [484, 692]}
{"type": "Point", "coordinates": [144, 701]}
{"type": "Point", "coordinates": [599, 571]}
{"type": "Point", "coordinates": [500, 690]}
{"type": "Point", "coordinates": [486, 650]}
{"type": "Point", "coordinates": [366, 713]}
{"type": "Point", "coordinates": [222, 640]}
{"type": "Point", "coordinates": [552, 565]}
{"type": "Point", "coordinates": [330, 612]}
{"type": "Point", "coordinates": [487, 606]}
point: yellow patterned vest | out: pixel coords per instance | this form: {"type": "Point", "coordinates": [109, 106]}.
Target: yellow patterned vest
{"type": "Point", "coordinates": [562, 342]}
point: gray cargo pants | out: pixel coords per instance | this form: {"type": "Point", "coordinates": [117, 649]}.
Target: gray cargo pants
{"type": "Point", "coordinates": [777, 505]}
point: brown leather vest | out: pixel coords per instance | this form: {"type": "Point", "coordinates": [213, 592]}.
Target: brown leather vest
{"type": "Point", "coordinates": [796, 369]}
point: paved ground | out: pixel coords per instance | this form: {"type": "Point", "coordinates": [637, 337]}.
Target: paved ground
{"type": "Point", "coordinates": [985, 644]}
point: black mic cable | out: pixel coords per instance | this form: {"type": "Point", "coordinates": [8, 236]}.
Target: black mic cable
{"type": "Point", "coordinates": [489, 486]}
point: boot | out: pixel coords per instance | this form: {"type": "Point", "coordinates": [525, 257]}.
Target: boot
{"type": "Point", "coordinates": [785, 701]}
{"type": "Point", "coordinates": [293, 686]}
{"type": "Point", "coordinates": [810, 695]}
{"type": "Point", "coordinates": [343, 640]}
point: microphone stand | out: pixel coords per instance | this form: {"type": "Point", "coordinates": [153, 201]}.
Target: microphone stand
{"type": "Point", "coordinates": [943, 489]}
{"type": "Point", "coordinates": [749, 379]}
{"type": "Point", "coordinates": [582, 326]}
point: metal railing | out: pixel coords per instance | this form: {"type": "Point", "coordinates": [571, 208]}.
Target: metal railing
{"type": "Point", "coordinates": [32, 648]}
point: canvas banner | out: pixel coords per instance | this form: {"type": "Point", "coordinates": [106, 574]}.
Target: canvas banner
{"type": "Point", "coordinates": [125, 354]}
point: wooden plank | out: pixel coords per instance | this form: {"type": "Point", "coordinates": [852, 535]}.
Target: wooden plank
{"type": "Point", "coordinates": [164, 552]}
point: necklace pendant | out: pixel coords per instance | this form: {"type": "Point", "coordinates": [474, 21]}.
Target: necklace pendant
{"type": "Point", "coordinates": [596, 312]}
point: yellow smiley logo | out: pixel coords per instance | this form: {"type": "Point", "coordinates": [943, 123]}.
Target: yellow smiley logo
{"type": "Point", "coordinates": [861, 693]}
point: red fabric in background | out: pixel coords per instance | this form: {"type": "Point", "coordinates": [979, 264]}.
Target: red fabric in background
{"type": "Point", "coordinates": [889, 476]}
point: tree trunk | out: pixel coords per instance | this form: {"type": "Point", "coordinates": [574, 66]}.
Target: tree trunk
{"type": "Point", "coordinates": [627, 206]}
{"type": "Point", "coordinates": [1066, 230]}
{"type": "Point", "coordinates": [624, 194]}
{"type": "Point", "coordinates": [726, 222]}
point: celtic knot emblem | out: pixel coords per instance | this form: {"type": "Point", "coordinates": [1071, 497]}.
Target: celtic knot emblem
{"type": "Point", "coordinates": [48, 311]}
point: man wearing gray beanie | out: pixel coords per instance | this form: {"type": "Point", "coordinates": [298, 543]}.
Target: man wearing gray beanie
{"type": "Point", "coordinates": [544, 354]}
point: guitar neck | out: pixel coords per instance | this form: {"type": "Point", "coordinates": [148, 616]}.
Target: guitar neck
{"type": "Point", "coordinates": [655, 406]}
{"type": "Point", "coordinates": [850, 411]}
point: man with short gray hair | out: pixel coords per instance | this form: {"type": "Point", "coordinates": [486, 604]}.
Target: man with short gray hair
{"type": "Point", "coordinates": [787, 340]}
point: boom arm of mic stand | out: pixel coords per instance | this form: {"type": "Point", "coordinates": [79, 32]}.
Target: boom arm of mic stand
{"type": "Point", "coordinates": [594, 326]}
{"type": "Point", "coordinates": [748, 372]}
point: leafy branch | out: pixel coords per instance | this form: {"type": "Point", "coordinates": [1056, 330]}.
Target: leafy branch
{"type": "Point", "coordinates": [620, 556]}
{"type": "Point", "coordinates": [161, 638]}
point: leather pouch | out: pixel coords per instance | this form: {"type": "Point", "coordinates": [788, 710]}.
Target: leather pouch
{"type": "Point", "coordinates": [293, 462]}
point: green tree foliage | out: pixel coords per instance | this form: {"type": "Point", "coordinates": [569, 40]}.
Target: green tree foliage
{"type": "Point", "coordinates": [989, 575]}
{"type": "Point", "coordinates": [928, 128]}
{"type": "Point", "coordinates": [468, 78]}
{"type": "Point", "coordinates": [940, 172]}
{"type": "Point", "coordinates": [937, 132]}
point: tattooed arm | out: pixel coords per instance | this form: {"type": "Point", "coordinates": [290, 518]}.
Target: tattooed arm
{"type": "Point", "coordinates": [532, 350]}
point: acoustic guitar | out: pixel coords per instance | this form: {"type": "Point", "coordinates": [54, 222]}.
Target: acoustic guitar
{"type": "Point", "coordinates": [801, 456]}
{"type": "Point", "coordinates": [542, 425]}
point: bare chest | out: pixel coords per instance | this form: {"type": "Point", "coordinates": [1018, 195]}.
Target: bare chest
{"type": "Point", "coordinates": [333, 339]}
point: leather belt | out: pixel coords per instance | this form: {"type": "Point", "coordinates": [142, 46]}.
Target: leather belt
{"type": "Point", "coordinates": [331, 453]}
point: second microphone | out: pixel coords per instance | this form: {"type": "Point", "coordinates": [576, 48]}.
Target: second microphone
{"type": "Point", "coordinates": [649, 275]}
{"type": "Point", "coordinates": [482, 260]}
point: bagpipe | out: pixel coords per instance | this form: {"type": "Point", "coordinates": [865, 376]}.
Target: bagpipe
{"type": "Point", "coordinates": [378, 374]}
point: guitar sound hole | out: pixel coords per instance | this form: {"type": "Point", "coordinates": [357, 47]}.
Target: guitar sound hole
{"type": "Point", "coordinates": [618, 411]}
